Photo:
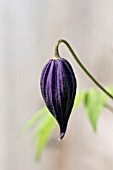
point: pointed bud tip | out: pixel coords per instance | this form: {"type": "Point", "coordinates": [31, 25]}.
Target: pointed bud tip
{"type": "Point", "coordinates": [61, 136]}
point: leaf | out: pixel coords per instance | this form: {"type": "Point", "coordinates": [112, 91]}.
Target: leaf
{"type": "Point", "coordinates": [43, 134]}
{"type": "Point", "coordinates": [79, 99]}
{"type": "Point", "coordinates": [94, 102]}
{"type": "Point", "coordinates": [33, 120]}
{"type": "Point", "coordinates": [44, 128]}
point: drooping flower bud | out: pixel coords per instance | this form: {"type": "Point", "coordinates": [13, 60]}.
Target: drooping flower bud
{"type": "Point", "coordinates": [58, 87]}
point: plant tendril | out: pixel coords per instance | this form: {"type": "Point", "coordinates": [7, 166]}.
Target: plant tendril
{"type": "Point", "coordinates": [81, 65]}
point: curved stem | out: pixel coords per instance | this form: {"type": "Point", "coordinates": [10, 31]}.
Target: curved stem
{"type": "Point", "coordinates": [81, 65]}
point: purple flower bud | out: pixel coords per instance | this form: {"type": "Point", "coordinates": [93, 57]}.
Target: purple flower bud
{"type": "Point", "coordinates": [58, 87]}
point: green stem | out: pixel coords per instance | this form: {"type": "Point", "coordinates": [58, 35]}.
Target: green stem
{"type": "Point", "coordinates": [81, 65]}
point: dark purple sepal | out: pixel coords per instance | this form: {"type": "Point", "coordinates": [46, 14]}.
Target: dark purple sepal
{"type": "Point", "coordinates": [58, 87]}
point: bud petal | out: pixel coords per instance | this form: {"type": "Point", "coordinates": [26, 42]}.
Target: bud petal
{"type": "Point", "coordinates": [58, 87]}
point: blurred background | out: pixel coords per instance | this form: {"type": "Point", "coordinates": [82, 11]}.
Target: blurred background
{"type": "Point", "coordinates": [29, 31]}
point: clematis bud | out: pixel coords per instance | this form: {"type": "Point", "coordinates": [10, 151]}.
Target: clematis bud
{"type": "Point", "coordinates": [58, 87]}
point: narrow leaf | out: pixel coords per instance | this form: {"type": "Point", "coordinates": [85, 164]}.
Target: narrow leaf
{"type": "Point", "coordinates": [43, 134]}
{"type": "Point", "coordinates": [33, 120]}
{"type": "Point", "coordinates": [93, 102]}
{"type": "Point", "coordinates": [79, 99]}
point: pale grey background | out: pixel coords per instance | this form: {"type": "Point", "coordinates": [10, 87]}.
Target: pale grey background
{"type": "Point", "coordinates": [29, 30]}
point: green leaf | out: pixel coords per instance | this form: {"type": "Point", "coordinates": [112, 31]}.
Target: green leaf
{"type": "Point", "coordinates": [33, 120]}
{"type": "Point", "coordinates": [94, 102]}
{"type": "Point", "coordinates": [43, 133]}
{"type": "Point", "coordinates": [45, 125]}
{"type": "Point", "coordinates": [79, 99]}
